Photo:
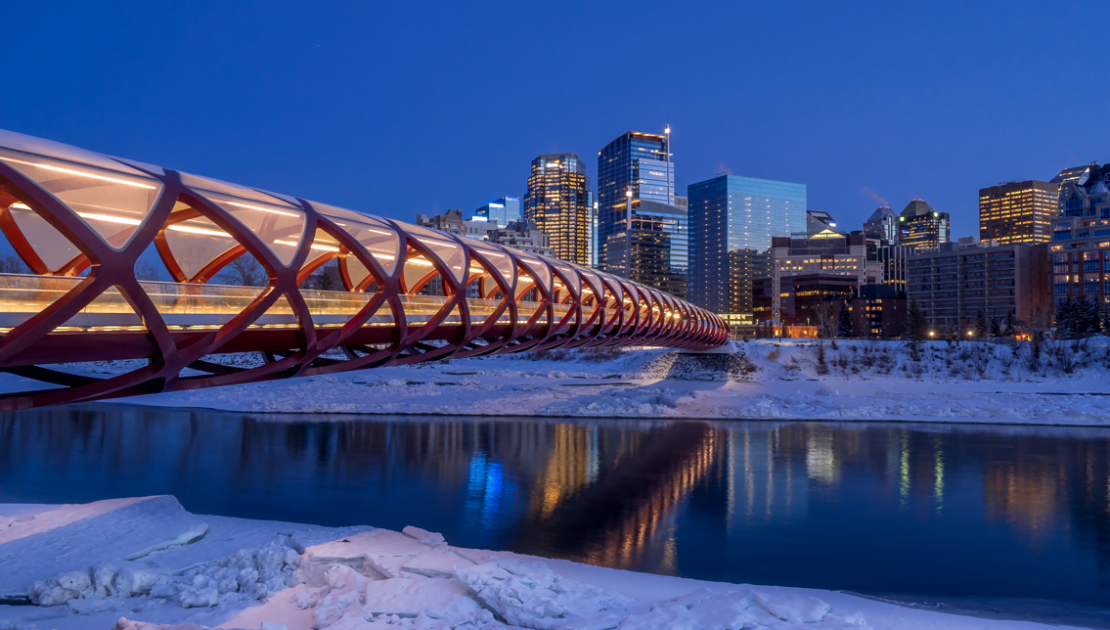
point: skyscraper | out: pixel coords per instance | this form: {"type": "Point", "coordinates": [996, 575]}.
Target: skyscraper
{"type": "Point", "coordinates": [922, 228]}
{"type": "Point", "coordinates": [501, 211]}
{"type": "Point", "coordinates": [732, 222]}
{"type": "Point", "coordinates": [1070, 176]}
{"type": "Point", "coordinates": [641, 233]}
{"type": "Point", "coordinates": [635, 162]}
{"type": "Point", "coordinates": [1018, 212]}
{"type": "Point", "coordinates": [558, 202]}
{"type": "Point", "coordinates": [882, 225]}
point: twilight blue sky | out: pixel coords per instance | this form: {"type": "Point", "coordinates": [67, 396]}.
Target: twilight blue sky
{"type": "Point", "coordinates": [419, 107]}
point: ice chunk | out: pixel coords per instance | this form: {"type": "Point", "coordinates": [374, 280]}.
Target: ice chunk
{"type": "Point", "coordinates": [132, 531]}
{"type": "Point", "coordinates": [408, 596]}
{"type": "Point", "coordinates": [199, 597]}
{"type": "Point", "coordinates": [794, 608]}
{"type": "Point", "coordinates": [531, 595]}
{"type": "Point", "coordinates": [432, 539]}
{"type": "Point", "coordinates": [436, 563]}
{"type": "Point", "coordinates": [743, 609]}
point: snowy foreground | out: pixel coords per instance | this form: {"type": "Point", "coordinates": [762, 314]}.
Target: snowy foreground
{"type": "Point", "coordinates": [146, 564]}
{"type": "Point", "coordinates": [861, 380]}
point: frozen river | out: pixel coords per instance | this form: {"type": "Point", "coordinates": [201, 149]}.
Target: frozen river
{"type": "Point", "coordinates": [955, 513]}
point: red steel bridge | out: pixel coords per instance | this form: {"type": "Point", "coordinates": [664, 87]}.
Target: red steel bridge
{"type": "Point", "coordinates": [80, 222]}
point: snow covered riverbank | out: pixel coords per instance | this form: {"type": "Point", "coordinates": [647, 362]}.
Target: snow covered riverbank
{"type": "Point", "coordinates": [859, 380]}
{"type": "Point", "coordinates": [133, 564]}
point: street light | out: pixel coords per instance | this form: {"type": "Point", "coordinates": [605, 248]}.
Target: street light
{"type": "Point", "coordinates": [932, 334]}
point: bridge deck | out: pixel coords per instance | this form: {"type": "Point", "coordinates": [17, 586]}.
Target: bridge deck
{"type": "Point", "coordinates": [209, 306]}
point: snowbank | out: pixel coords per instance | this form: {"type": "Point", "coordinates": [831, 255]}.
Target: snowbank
{"type": "Point", "coordinates": [780, 380]}
{"type": "Point", "coordinates": [363, 579]}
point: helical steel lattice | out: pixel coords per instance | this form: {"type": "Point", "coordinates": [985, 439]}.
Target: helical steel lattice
{"type": "Point", "coordinates": [80, 222]}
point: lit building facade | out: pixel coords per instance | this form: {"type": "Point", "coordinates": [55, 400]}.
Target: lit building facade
{"type": "Point", "coordinates": [501, 211]}
{"type": "Point", "coordinates": [1080, 248]}
{"type": "Point", "coordinates": [558, 202]}
{"type": "Point", "coordinates": [641, 232]}
{"type": "Point", "coordinates": [1069, 176]}
{"type": "Point", "coordinates": [653, 249]}
{"type": "Point", "coordinates": [803, 300]}
{"type": "Point", "coordinates": [524, 236]}
{"type": "Point", "coordinates": [826, 253]}
{"type": "Point", "coordinates": [921, 228]}
{"type": "Point", "coordinates": [1018, 212]}
{"type": "Point", "coordinates": [635, 163]}
{"type": "Point", "coordinates": [732, 223]}
{"type": "Point", "coordinates": [878, 311]}
{"type": "Point", "coordinates": [882, 225]}
{"type": "Point", "coordinates": [954, 284]}
{"type": "Point", "coordinates": [452, 222]}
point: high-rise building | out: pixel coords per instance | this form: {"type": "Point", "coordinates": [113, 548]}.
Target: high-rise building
{"type": "Point", "coordinates": [818, 221]}
{"type": "Point", "coordinates": [732, 222]}
{"type": "Point", "coordinates": [501, 211]}
{"type": "Point", "coordinates": [882, 225]}
{"type": "Point", "coordinates": [523, 236]}
{"type": "Point", "coordinates": [1080, 248]}
{"type": "Point", "coordinates": [453, 223]}
{"type": "Point", "coordinates": [1018, 212]}
{"type": "Point", "coordinates": [557, 201]}
{"type": "Point", "coordinates": [641, 233]}
{"type": "Point", "coordinates": [653, 248]}
{"type": "Point", "coordinates": [958, 281]}
{"type": "Point", "coordinates": [635, 165]}
{"type": "Point", "coordinates": [922, 228]}
{"type": "Point", "coordinates": [1068, 176]}
{"type": "Point", "coordinates": [825, 253]}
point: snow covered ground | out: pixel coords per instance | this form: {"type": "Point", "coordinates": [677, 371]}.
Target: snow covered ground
{"type": "Point", "coordinates": [859, 380]}
{"type": "Point", "coordinates": [141, 564]}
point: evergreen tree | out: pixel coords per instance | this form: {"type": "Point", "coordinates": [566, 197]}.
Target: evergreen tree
{"type": "Point", "coordinates": [916, 325]}
{"type": "Point", "coordinates": [844, 322]}
{"type": "Point", "coordinates": [1064, 319]}
{"type": "Point", "coordinates": [1009, 329]}
{"type": "Point", "coordinates": [996, 330]}
{"type": "Point", "coordinates": [980, 324]}
{"type": "Point", "coordinates": [1092, 323]}
{"type": "Point", "coordinates": [916, 329]}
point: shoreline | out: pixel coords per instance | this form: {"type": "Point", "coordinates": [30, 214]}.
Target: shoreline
{"type": "Point", "coordinates": [123, 402]}
{"type": "Point", "coordinates": [356, 577]}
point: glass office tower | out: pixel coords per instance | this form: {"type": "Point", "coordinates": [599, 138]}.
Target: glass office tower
{"type": "Point", "coordinates": [732, 221]}
{"type": "Point", "coordinates": [656, 251]}
{"type": "Point", "coordinates": [558, 202]}
{"type": "Point", "coordinates": [501, 211]}
{"type": "Point", "coordinates": [637, 163]}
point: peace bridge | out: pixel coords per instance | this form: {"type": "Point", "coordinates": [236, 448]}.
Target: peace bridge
{"type": "Point", "coordinates": [81, 221]}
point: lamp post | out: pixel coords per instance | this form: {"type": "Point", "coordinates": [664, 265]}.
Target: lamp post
{"type": "Point", "coordinates": [628, 229]}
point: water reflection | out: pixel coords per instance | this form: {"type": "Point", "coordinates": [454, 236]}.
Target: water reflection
{"type": "Point", "coordinates": [953, 510]}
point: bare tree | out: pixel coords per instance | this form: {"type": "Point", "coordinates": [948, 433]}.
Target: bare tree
{"type": "Point", "coordinates": [10, 263]}
{"type": "Point", "coordinates": [244, 271]}
{"type": "Point", "coordinates": [145, 271]}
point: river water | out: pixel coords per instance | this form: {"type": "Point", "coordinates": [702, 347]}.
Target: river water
{"type": "Point", "coordinates": [923, 512]}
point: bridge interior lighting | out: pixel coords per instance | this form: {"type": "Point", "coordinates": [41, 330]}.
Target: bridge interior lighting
{"type": "Point", "coordinates": [261, 209]}
{"type": "Point", "coordinates": [318, 246]}
{"type": "Point", "coordinates": [68, 171]}
{"type": "Point", "coordinates": [177, 227]}
{"type": "Point", "coordinates": [108, 218]}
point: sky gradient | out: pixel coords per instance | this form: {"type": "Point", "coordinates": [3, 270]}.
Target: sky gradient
{"type": "Point", "coordinates": [395, 109]}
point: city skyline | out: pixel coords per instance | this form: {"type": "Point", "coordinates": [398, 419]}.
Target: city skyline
{"type": "Point", "coordinates": [851, 111]}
